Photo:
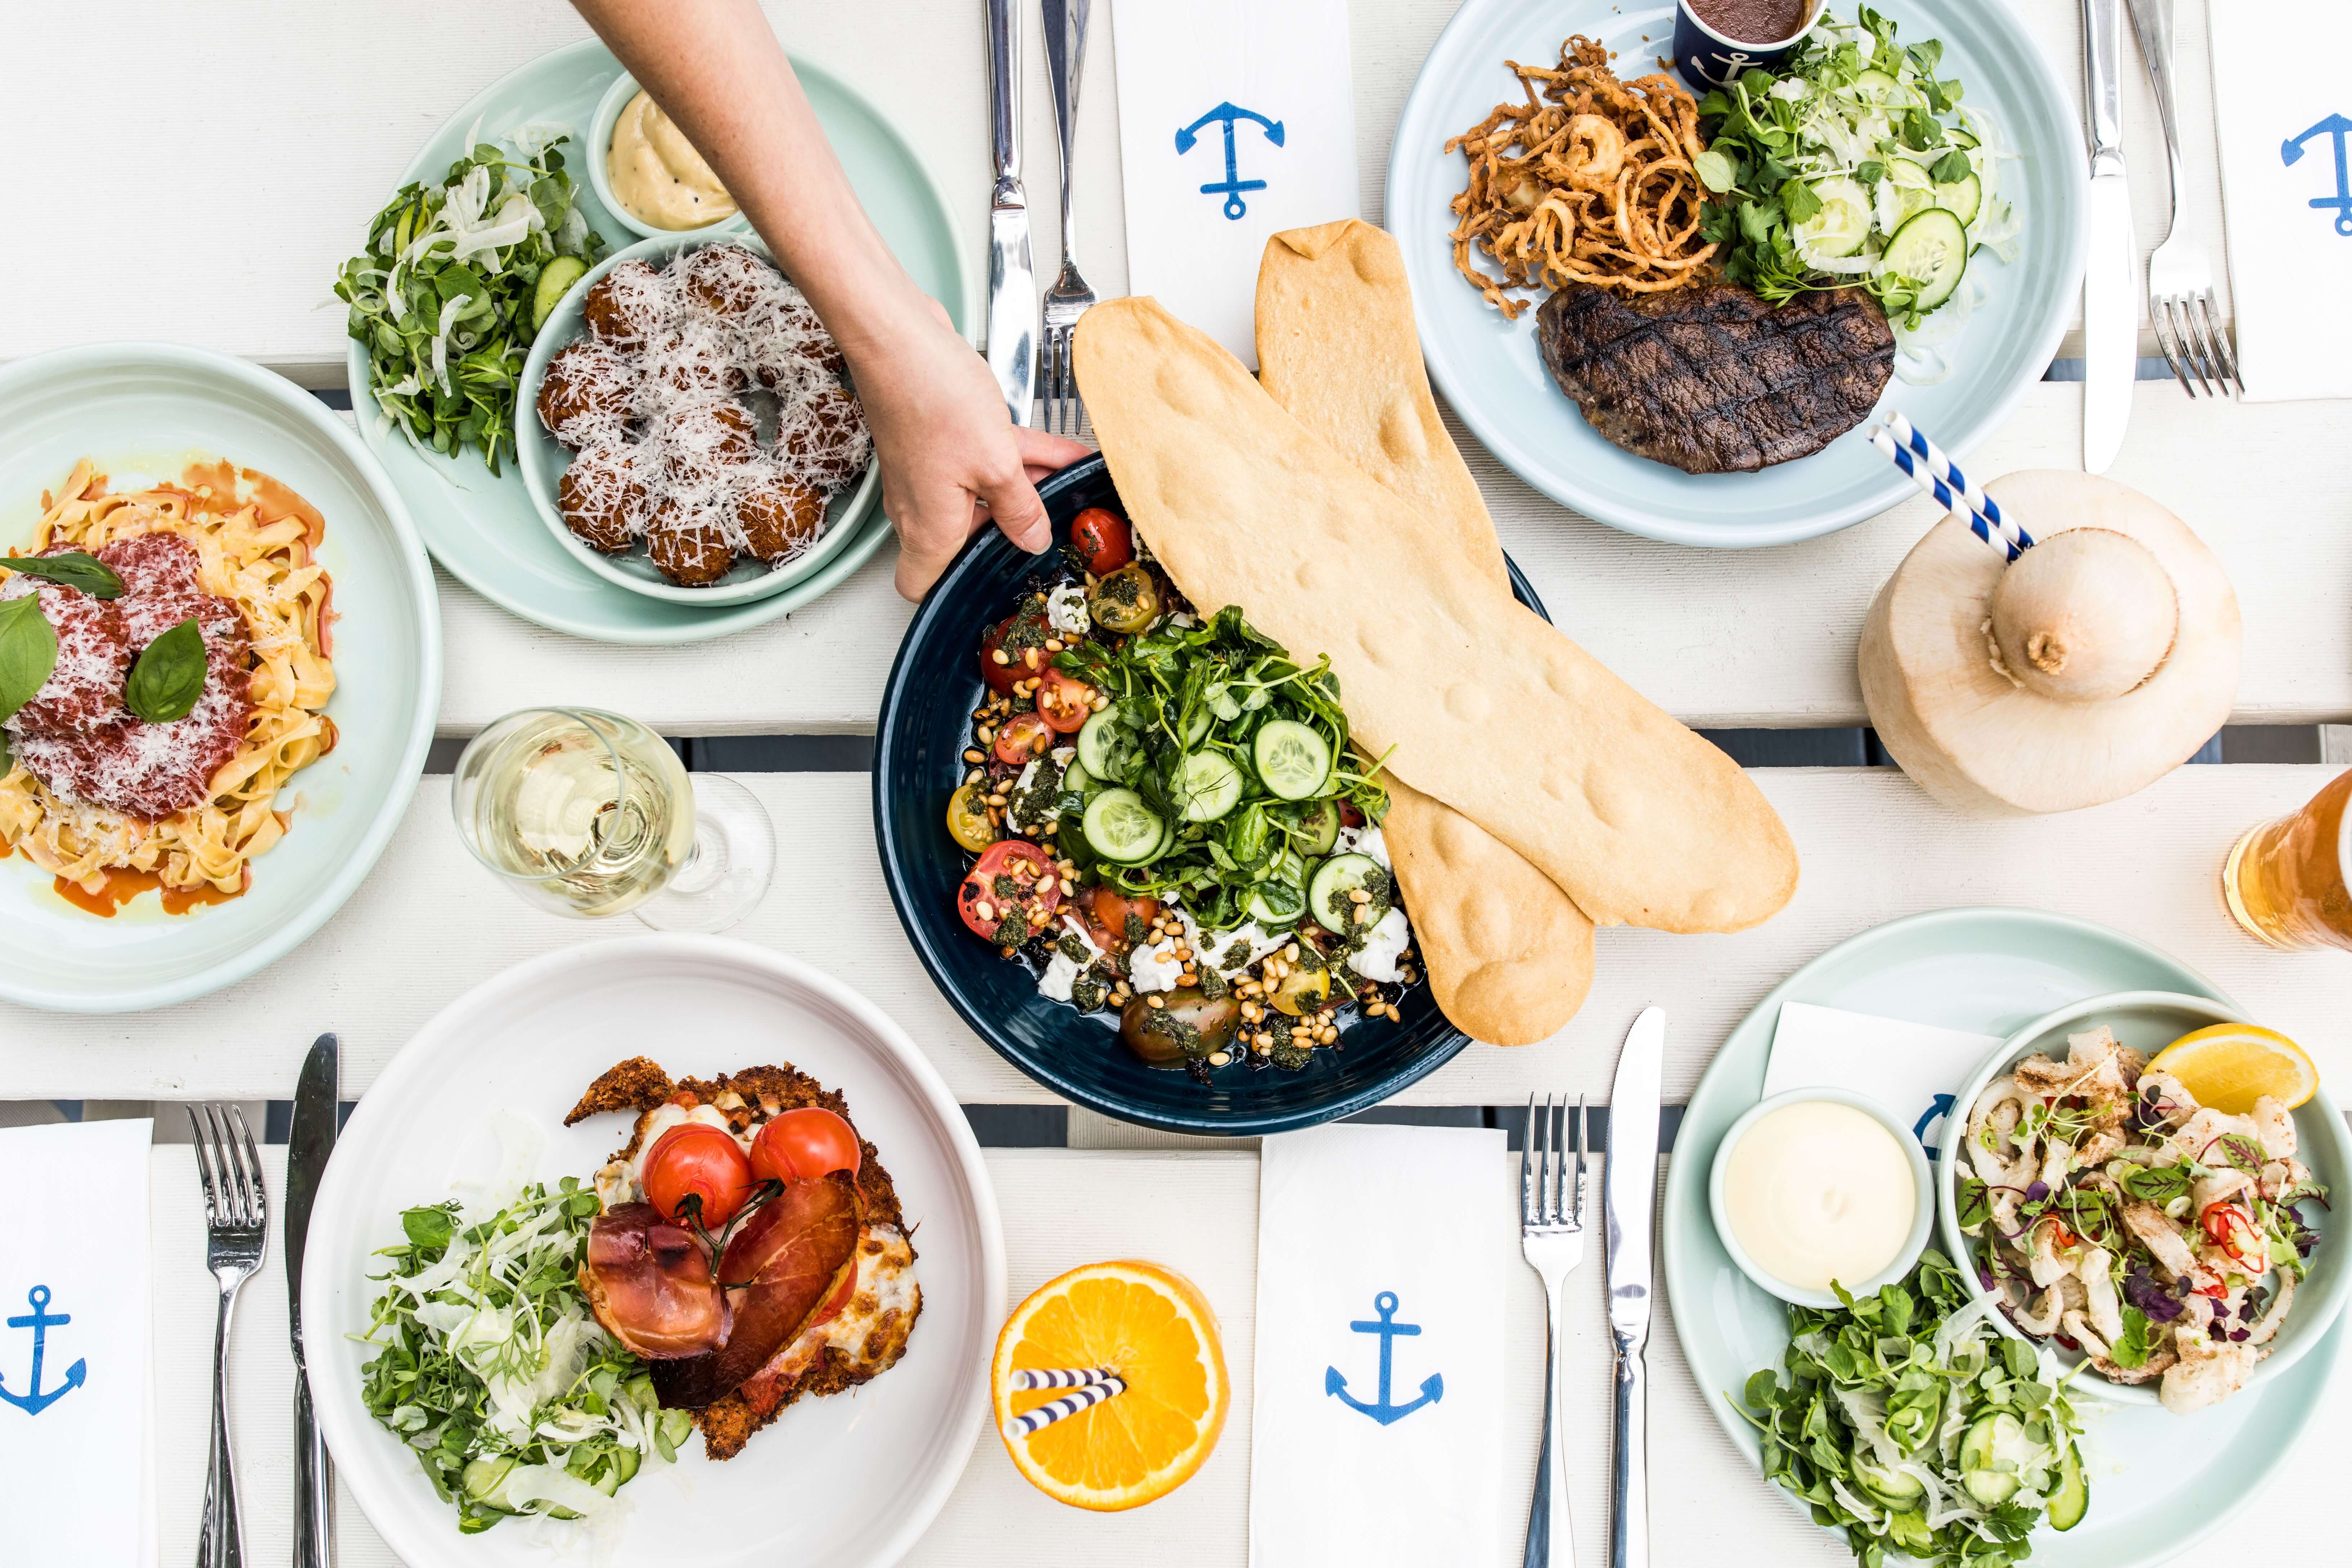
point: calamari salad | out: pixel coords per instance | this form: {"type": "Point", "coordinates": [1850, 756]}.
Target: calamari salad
{"type": "Point", "coordinates": [1166, 821]}
{"type": "Point", "coordinates": [2115, 1216]}
{"type": "Point", "coordinates": [1857, 166]}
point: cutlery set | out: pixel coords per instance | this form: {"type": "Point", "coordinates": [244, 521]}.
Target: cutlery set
{"type": "Point", "coordinates": [1028, 368]}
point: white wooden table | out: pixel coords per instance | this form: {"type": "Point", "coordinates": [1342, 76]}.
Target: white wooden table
{"type": "Point", "coordinates": [306, 115]}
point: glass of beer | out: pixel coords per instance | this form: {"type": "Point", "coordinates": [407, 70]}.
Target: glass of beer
{"type": "Point", "coordinates": [591, 814]}
{"type": "Point", "coordinates": [2284, 880]}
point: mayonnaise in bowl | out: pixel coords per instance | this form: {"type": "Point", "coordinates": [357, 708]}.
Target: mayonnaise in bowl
{"type": "Point", "coordinates": [1818, 1186]}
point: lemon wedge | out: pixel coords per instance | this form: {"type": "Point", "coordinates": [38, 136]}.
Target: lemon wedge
{"type": "Point", "coordinates": [2229, 1066]}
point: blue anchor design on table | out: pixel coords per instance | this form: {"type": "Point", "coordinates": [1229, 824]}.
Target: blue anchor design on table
{"type": "Point", "coordinates": [40, 1321]}
{"type": "Point", "coordinates": [2291, 154]}
{"type": "Point", "coordinates": [1432, 1387]}
{"type": "Point", "coordinates": [1942, 1107]}
{"type": "Point", "coordinates": [1227, 115]}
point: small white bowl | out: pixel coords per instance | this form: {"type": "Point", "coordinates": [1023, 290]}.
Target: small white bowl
{"type": "Point", "coordinates": [1923, 1186]}
{"type": "Point", "coordinates": [600, 148]}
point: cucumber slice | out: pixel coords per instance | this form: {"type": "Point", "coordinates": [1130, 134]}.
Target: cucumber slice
{"type": "Point", "coordinates": [1120, 827]}
{"type": "Point", "coordinates": [1843, 221]}
{"type": "Point", "coordinates": [1318, 828]}
{"type": "Point", "coordinates": [1932, 250]}
{"type": "Point", "coordinates": [555, 281]}
{"type": "Point", "coordinates": [1890, 1486]}
{"type": "Point", "coordinates": [1989, 1453]}
{"type": "Point", "coordinates": [1274, 904]}
{"type": "Point", "coordinates": [1075, 780]}
{"type": "Point", "coordinates": [485, 1479]}
{"type": "Point", "coordinates": [1102, 751]}
{"type": "Point", "coordinates": [1292, 759]}
{"type": "Point", "coordinates": [1327, 895]}
{"type": "Point", "coordinates": [1962, 137]}
{"type": "Point", "coordinates": [1884, 89]}
{"type": "Point", "coordinates": [624, 1463]}
{"type": "Point", "coordinates": [1961, 198]}
{"type": "Point", "coordinates": [2072, 1498]}
{"type": "Point", "coordinates": [1208, 784]}
{"type": "Point", "coordinates": [1196, 732]}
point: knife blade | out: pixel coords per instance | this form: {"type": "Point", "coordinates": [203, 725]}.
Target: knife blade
{"type": "Point", "coordinates": [308, 1145]}
{"type": "Point", "coordinates": [1629, 1192]}
{"type": "Point", "coordinates": [1012, 281]}
{"type": "Point", "coordinates": [2111, 256]}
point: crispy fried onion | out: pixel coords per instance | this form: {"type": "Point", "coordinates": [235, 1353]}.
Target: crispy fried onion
{"type": "Point", "coordinates": [1590, 181]}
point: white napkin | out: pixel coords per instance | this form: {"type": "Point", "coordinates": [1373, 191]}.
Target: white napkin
{"type": "Point", "coordinates": [1286, 64]}
{"type": "Point", "coordinates": [2290, 262]}
{"type": "Point", "coordinates": [1910, 1068]}
{"type": "Point", "coordinates": [75, 1252]}
{"type": "Point", "coordinates": [1414, 1226]}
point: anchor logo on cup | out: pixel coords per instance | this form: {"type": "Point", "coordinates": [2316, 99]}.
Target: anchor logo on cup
{"type": "Point", "coordinates": [1707, 54]}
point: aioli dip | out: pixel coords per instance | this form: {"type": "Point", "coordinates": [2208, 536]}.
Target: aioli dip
{"type": "Point", "coordinates": [1818, 1191]}
{"type": "Point", "coordinates": [657, 175]}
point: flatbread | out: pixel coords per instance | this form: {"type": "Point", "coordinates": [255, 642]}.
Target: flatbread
{"type": "Point", "coordinates": [1509, 956]}
{"type": "Point", "coordinates": [1468, 697]}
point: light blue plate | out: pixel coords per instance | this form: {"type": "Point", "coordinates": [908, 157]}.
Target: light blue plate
{"type": "Point", "coordinates": [1490, 369]}
{"type": "Point", "coordinates": [482, 527]}
{"type": "Point", "coordinates": [2158, 1482]}
{"type": "Point", "coordinates": [142, 411]}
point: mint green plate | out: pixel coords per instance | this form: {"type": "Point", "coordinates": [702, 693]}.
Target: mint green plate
{"type": "Point", "coordinates": [2158, 1482]}
{"type": "Point", "coordinates": [482, 527]}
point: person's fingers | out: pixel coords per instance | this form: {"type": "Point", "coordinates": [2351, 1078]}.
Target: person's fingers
{"type": "Point", "coordinates": [929, 543]}
{"type": "Point", "coordinates": [1043, 449]}
{"type": "Point", "coordinates": [1012, 501]}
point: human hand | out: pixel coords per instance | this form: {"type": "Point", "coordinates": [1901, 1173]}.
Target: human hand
{"type": "Point", "coordinates": [951, 457]}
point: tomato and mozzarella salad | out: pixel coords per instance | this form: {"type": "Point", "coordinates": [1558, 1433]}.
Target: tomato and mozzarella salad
{"type": "Point", "coordinates": [1166, 820]}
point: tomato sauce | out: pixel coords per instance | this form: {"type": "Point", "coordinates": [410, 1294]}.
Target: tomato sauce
{"type": "Point", "coordinates": [1753, 21]}
{"type": "Point", "coordinates": [120, 886]}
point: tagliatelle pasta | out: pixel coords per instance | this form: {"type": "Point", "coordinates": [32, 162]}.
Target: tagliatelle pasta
{"type": "Point", "coordinates": [256, 542]}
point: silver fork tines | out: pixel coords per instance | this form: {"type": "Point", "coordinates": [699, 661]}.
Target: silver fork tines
{"type": "Point", "coordinates": [1069, 298]}
{"type": "Point", "coordinates": [1551, 1236]}
{"type": "Point", "coordinates": [2181, 308]}
{"type": "Point", "coordinates": [236, 1232]}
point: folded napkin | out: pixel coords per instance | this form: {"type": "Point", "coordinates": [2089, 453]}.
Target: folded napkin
{"type": "Point", "coordinates": [1383, 1254]}
{"type": "Point", "coordinates": [1236, 120]}
{"type": "Point", "coordinates": [2286, 190]}
{"type": "Point", "coordinates": [74, 1346]}
{"type": "Point", "coordinates": [1910, 1068]}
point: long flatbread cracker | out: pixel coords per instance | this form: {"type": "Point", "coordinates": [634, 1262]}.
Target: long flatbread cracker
{"type": "Point", "coordinates": [1468, 697]}
{"type": "Point", "coordinates": [1509, 954]}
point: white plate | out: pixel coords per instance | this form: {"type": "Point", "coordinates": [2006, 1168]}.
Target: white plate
{"type": "Point", "coordinates": [142, 411]}
{"type": "Point", "coordinates": [840, 1482]}
{"type": "Point", "coordinates": [1490, 369]}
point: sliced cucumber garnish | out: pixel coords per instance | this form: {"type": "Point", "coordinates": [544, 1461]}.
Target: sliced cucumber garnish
{"type": "Point", "coordinates": [555, 281]}
{"type": "Point", "coordinates": [1961, 198]}
{"type": "Point", "coordinates": [1995, 1453]}
{"type": "Point", "coordinates": [1931, 249]}
{"type": "Point", "coordinates": [1843, 221]}
{"type": "Point", "coordinates": [1318, 828]}
{"type": "Point", "coordinates": [1292, 759]}
{"type": "Point", "coordinates": [2072, 1498]}
{"type": "Point", "coordinates": [1327, 895]}
{"type": "Point", "coordinates": [1118, 827]}
{"type": "Point", "coordinates": [1103, 751]}
{"type": "Point", "coordinates": [1075, 780]}
{"type": "Point", "coordinates": [1878, 85]}
{"type": "Point", "coordinates": [486, 1480]}
{"type": "Point", "coordinates": [1888, 1486]}
{"type": "Point", "coordinates": [1208, 784]}
{"type": "Point", "coordinates": [1274, 904]}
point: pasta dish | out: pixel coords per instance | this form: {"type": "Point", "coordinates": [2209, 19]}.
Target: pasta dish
{"type": "Point", "coordinates": [192, 632]}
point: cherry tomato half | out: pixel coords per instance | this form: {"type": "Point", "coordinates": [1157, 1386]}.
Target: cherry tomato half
{"type": "Point", "coordinates": [805, 1144]}
{"type": "Point", "coordinates": [1022, 737]}
{"type": "Point", "coordinates": [1034, 892]}
{"type": "Point", "coordinates": [1103, 540]}
{"type": "Point", "coordinates": [1064, 702]}
{"type": "Point", "coordinates": [1001, 677]}
{"type": "Point", "coordinates": [699, 1158]}
{"type": "Point", "coordinates": [1105, 909]}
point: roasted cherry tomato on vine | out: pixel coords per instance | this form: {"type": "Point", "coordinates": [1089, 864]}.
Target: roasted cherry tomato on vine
{"type": "Point", "coordinates": [1106, 910]}
{"type": "Point", "coordinates": [1064, 702]}
{"type": "Point", "coordinates": [1022, 737]}
{"type": "Point", "coordinates": [805, 1144]}
{"type": "Point", "coordinates": [1031, 892]}
{"type": "Point", "coordinates": [1102, 540]}
{"type": "Point", "coordinates": [700, 1160]}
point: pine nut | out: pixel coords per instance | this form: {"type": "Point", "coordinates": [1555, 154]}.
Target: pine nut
{"type": "Point", "coordinates": [1000, 656]}
{"type": "Point", "coordinates": [985, 910]}
{"type": "Point", "coordinates": [1155, 1002]}
{"type": "Point", "coordinates": [1219, 1058]}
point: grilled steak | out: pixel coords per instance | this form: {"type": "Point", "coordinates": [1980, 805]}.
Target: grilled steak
{"type": "Point", "coordinates": [1710, 378]}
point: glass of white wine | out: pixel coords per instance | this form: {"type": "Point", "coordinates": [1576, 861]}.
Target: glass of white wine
{"type": "Point", "coordinates": [588, 813]}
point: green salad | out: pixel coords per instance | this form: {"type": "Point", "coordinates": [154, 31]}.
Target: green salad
{"type": "Point", "coordinates": [1909, 1420]}
{"type": "Point", "coordinates": [1857, 166]}
{"type": "Point", "coordinates": [454, 283]}
{"type": "Point", "coordinates": [495, 1373]}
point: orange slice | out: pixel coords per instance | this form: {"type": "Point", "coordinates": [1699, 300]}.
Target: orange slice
{"type": "Point", "coordinates": [1154, 1329]}
{"type": "Point", "coordinates": [2229, 1066]}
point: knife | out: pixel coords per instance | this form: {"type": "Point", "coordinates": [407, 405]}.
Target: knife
{"type": "Point", "coordinates": [2111, 259]}
{"type": "Point", "coordinates": [311, 1140]}
{"type": "Point", "coordinates": [1629, 1193]}
{"type": "Point", "coordinates": [1011, 283]}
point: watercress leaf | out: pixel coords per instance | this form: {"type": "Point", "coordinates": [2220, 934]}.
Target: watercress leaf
{"type": "Point", "coordinates": [28, 651]}
{"type": "Point", "coordinates": [1870, 171]}
{"type": "Point", "coordinates": [74, 568]}
{"type": "Point", "coordinates": [168, 675]}
{"type": "Point", "coordinates": [1949, 169]}
{"type": "Point", "coordinates": [427, 1227]}
{"type": "Point", "coordinates": [1715, 170]}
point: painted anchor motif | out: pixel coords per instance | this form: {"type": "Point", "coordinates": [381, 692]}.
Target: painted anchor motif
{"type": "Point", "coordinates": [1734, 65]}
{"type": "Point", "coordinates": [1942, 1106]}
{"type": "Point", "coordinates": [1226, 115]}
{"type": "Point", "coordinates": [2291, 154]}
{"type": "Point", "coordinates": [33, 1402]}
{"type": "Point", "coordinates": [1432, 1387]}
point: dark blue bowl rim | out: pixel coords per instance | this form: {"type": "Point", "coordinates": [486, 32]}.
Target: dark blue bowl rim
{"type": "Point", "coordinates": [946, 593]}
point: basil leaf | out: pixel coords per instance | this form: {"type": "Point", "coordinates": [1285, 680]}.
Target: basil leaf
{"type": "Point", "coordinates": [169, 675]}
{"type": "Point", "coordinates": [28, 651]}
{"type": "Point", "coordinates": [75, 569]}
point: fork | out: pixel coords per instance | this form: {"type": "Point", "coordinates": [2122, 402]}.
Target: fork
{"type": "Point", "coordinates": [236, 1222]}
{"type": "Point", "coordinates": [1070, 297]}
{"type": "Point", "coordinates": [1552, 1235]}
{"type": "Point", "coordinates": [2180, 273]}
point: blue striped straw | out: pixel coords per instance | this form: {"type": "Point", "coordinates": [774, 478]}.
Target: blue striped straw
{"type": "Point", "coordinates": [1941, 478]}
{"type": "Point", "coordinates": [1029, 1379]}
{"type": "Point", "coordinates": [1044, 1415]}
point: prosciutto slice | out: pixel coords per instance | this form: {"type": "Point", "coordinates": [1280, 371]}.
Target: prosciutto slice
{"type": "Point", "coordinates": [787, 1260]}
{"type": "Point", "coordinates": [648, 1281]}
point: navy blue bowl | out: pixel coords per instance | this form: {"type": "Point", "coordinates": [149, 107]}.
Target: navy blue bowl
{"type": "Point", "coordinates": [925, 726]}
